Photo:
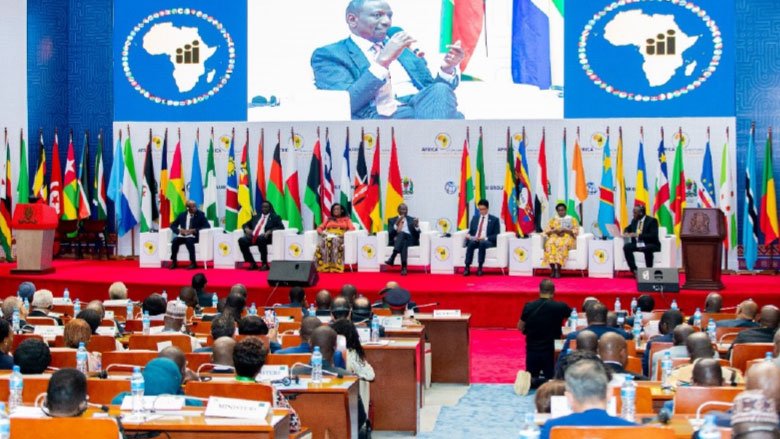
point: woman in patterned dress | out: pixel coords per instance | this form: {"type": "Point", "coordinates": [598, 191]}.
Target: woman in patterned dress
{"type": "Point", "coordinates": [561, 232]}
{"type": "Point", "coordinates": [330, 250]}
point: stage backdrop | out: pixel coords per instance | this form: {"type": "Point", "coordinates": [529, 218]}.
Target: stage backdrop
{"type": "Point", "coordinates": [13, 78]}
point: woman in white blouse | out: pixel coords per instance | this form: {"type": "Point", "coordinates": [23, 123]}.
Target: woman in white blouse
{"type": "Point", "coordinates": [356, 357]}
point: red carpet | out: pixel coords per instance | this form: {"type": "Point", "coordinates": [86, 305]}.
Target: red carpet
{"type": "Point", "coordinates": [496, 355]}
{"type": "Point", "coordinates": [495, 301]}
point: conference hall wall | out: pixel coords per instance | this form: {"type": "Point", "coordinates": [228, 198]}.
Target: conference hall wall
{"type": "Point", "coordinates": [247, 65]}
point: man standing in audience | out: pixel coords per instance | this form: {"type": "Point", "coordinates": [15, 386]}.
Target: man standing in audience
{"type": "Point", "coordinates": [712, 304]}
{"type": "Point", "coordinates": [678, 350]}
{"type": "Point", "coordinates": [765, 333]}
{"type": "Point", "coordinates": [746, 315]}
{"type": "Point", "coordinates": [614, 353]}
{"type": "Point", "coordinates": [669, 320]}
{"type": "Point", "coordinates": [117, 291]}
{"type": "Point", "coordinates": [258, 231]}
{"type": "Point", "coordinates": [186, 229]}
{"type": "Point", "coordinates": [541, 322]}
{"type": "Point", "coordinates": [66, 394]}
{"type": "Point", "coordinates": [586, 393]}
{"type": "Point", "coordinates": [42, 304]}
{"type": "Point", "coordinates": [699, 347]}
{"type": "Point", "coordinates": [308, 325]}
{"type": "Point", "coordinates": [404, 232]}
{"type": "Point", "coordinates": [483, 233]}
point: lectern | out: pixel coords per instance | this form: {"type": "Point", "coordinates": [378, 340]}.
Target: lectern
{"type": "Point", "coordinates": [702, 236]}
{"type": "Point", "coordinates": [34, 226]}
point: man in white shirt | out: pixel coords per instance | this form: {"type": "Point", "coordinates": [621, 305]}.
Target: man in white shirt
{"type": "Point", "coordinates": [483, 233]}
{"type": "Point", "coordinates": [259, 231]}
{"type": "Point", "coordinates": [385, 77]}
{"type": "Point", "coordinates": [404, 231]}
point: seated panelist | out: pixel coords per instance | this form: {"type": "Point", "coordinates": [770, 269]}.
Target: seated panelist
{"type": "Point", "coordinates": [330, 250]}
{"type": "Point", "coordinates": [643, 232]}
{"type": "Point", "coordinates": [186, 229]}
{"type": "Point", "coordinates": [404, 231]}
{"type": "Point", "coordinates": [259, 231]}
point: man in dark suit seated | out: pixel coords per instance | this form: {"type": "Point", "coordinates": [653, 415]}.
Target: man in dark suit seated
{"type": "Point", "coordinates": [614, 353]}
{"type": "Point", "coordinates": [186, 229]}
{"type": "Point", "coordinates": [765, 333]}
{"type": "Point", "coordinates": [385, 78]}
{"type": "Point", "coordinates": [746, 315]}
{"type": "Point", "coordinates": [308, 325]}
{"type": "Point", "coordinates": [643, 232]}
{"type": "Point", "coordinates": [404, 231]}
{"type": "Point", "coordinates": [597, 323]}
{"type": "Point", "coordinates": [259, 231]}
{"type": "Point", "coordinates": [483, 232]}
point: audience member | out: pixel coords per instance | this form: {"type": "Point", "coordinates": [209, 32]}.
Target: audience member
{"type": "Point", "coordinates": [356, 356]}
{"type": "Point", "coordinates": [597, 323]}
{"type": "Point", "coordinates": [66, 394]}
{"type": "Point", "coordinates": [545, 392]}
{"type": "Point", "coordinates": [222, 326]}
{"type": "Point", "coordinates": [340, 308]}
{"type": "Point", "coordinates": [97, 305]}
{"type": "Point", "coordinates": [765, 333]}
{"type": "Point", "coordinates": [588, 302]}
{"type": "Point", "coordinates": [644, 303]}
{"type": "Point", "coordinates": [746, 314]}
{"type": "Point", "coordinates": [362, 312]}
{"type": "Point", "coordinates": [199, 284]}
{"type": "Point", "coordinates": [707, 373]}
{"type": "Point", "coordinates": [612, 320]}
{"type": "Point", "coordinates": [252, 325]}
{"type": "Point", "coordinates": [239, 289]}
{"type": "Point", "coordinates": [754, 417]}
{"type": "Point", "coordinates": [92, 317]}
{"type": "Point", "coordinates": [222, 354]}
{"type": "Point", "coordinates": [323, 337]}
{"type": "Point", "coordinates": [190, 298]}
{"type": "Point", "coordinates": [587, 341]}
{"type": "Point", "coordinates": [349, 292]}
{"type": "Point", "coordinates": [763, 378]}
{"type": "Point", "coordinates": [155, 305]}
{"type": "Point", "coordinates": [6, 344]}
{"type": "Point", "coordinates": [777, 349]}
{"type": "Point", "coordinates": [234, 305]}
{"type": "Point", "coordinates": [175, 313]}
{"type": "Point", "coordinates": [323, 300]}
{"type": "Point", "coordinates": [713, 303]}
{"type": "Point", "coordinates": [699, 347]}
{"type": "Point", "coordinates": [117, 291]}
{"type": "Point", "coordinates": [42, 304]}
{"type": "Point", "coordinates": [541, 322]}
{"type": "Point", "coordinates": [308, 325]}
{"type": "Point", "coordinates": [397, 299]}
{"type": "Point", "coordinates": [32, 356]}
{"type": "Point", "coordinates": [77, 331]}
{"type": "Point", "coordinates": [586, 393]}
{"type": "Point", "coordinates": [573, 358]}
{"type": "Point", "coordinates": [613, 351]}
{"type": "Point", "coordinates": [678, 350]}
{"type": "Point", "coordinates": [162, 376]}
{"type": "Point", "coordinates": [26, 290]}
{"type": "Point", "coordinates": [177, 356]}
{"type": "Point", "coordinates": [297, 299]}
{"type": "Point", "coordinates": [669, 320]}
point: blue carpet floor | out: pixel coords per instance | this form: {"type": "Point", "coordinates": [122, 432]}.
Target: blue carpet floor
{"type": "Point", "coordinates": [486, 411]}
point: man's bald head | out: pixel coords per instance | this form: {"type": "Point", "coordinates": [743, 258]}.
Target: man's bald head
{"type": "Point", "coordinates": [707, 372]}
{"type": "Point", "coordinates": [587, 341]}
{"type": "Point", "coordinates": [612, 347]}
{"type": "Point", "coordinates": [770, 316]}
{"type": "Point", "coordinates": [97, 305]}
{"type": "Point", "coordinates": [323, 299]}
{"type": "Point", "coordinates": [350, 292]}
{"type": "Point", "coordinates": [392, 284]}
{"type": "Point", "coordinates": [222, 351]}
{"type": "Point", "coordinates": [308, 325]}
{"type": "Point", "coordinates": [240, 289]}
{"type": "Point", "coordinates": [699, 346]}
{"type": "Point", "coordinates": [713, 302]}
{"type": "Point", "coordinates": [681, 333]}
{"type": "Point", "coordinates": [766, 378]}
{"type": "Point", "coordinates": [747, 310]}
{"type": "Point", "coordinates": [324, 337]}
{"type": "Point", "coordinates": [177, 356]}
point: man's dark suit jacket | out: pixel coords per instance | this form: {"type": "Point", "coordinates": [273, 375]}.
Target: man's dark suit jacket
{"type": "Point", "coordinates": [198, 222]}
{"type": "Point", "coordinates": [274, 223]}
{"type": "Point", "coordinates": [393, 232]}
{"type": "Point", "coordinates": [649, 233]}
{"type": "Point", "coordinates": [493, 228]}
{"type": "Point", "coordinates": [343, 66]}
{"type": "Point", "coordinates": [616, 368]}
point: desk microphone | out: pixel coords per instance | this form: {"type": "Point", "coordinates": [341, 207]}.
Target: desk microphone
{"type": "Point", "coordinates": [326, 372]}
{"type": "Point", "coordinates": [212, 366]}
{"type": "Point", "coordinates": [119, 366]}
{"type": "Point", "coordinates": [416, 50]}
{"type": "Point", "coordinates": [427, 305]}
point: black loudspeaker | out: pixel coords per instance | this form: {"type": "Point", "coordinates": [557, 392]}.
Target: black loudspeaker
{"type": "Point", "coordinates": [658, 280]}
{"type": "Point", "coordinates": [292, 274]}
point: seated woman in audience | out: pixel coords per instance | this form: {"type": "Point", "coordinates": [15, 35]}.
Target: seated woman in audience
{"type": "Point", "coordinates": [561, 233]}
{"type": "Point", "coordinates": [6, 344]}
{"type": "Point", "coordinates": [356, 357]}
{"type": "Point", "coordinates": [66, 395]}
{"type": "Point", "coordinates": [545, 392]}
{"type": "Point", "coordinates": [330, 250]}
{"type": "Point", "coordinates": [78, 331]}
{"type": "Point", "coordinates": [155, 305]}
{"type": "Point", "coordinates": [94, 318]}
{"type": "Point", "coordinates": [162, 376]}
{"type": "Point", "coordinates": [10, 304]}
{"type": "Point", "coordinates": [255, 325]}
{"type": "Point", "coordinates": [32, 356]}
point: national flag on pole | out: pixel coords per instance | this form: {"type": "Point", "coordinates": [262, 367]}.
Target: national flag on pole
{"type": "Point", "coordinates": [642, 196]}
{"type": "Point", "coordinates": [231, 194]}
{"type": "Point", "coordinates": [360, 209]}
{"type": "Point", "coordinates": [175, 190]}
{"type": "Point", "coordinates": [165, 202]}
{"type": "Point", "coordinates": [563, 175]}
{"type": "Point", "coordinates": [395, 189]}
{"type": "Point", "coordinates": [55, 181]}
{"type": "Point", "coordinates": [116, 179]}
{"type": "Point", "coordinates": [311, 196]}
{"type": "Point", "coordinates": [768, 219]}
{"type": "Point", "coordinates": [374, 195]}
{"type": "Point", "coordinates": [661, 199]}
{"type": "Point", "coordinates": [606, 192]}
{"type": "Point", "coordinates": [525, 213]}
{"type": "Point", "coordinates": [70, 201]}
{"type": "Point", "coordinates": [23, 182]}
{"type": "Point", "coordinates": [39, 180]}
{"type": "Point", "coordinates": [707, 180]}
{"type": "Point", "coordinates": [129, 199]}
{"type": "Point", "coordinates": [750, 224]}
{"type": "Point", "coordinates": [541, 186]}
{"type": "Point", "coordinates": [345, 180]}
{"type": "Point", "coordinates": [578, 190]}
{"type": "Point", "coordinates": [728, 200]}
{"type": "Point", "coordinates": [466, 187]}
{"type": "Point", "coordinates": [292, 192]}
{"type": "Point", "coordinates": [461, 21]}
{"type": "Point", "coordinates": [509, 205]}
{"type": "Point", "coordinates": [210, 192]}
{"type": "Point", "coordinates": [677, 187]}
{"type": "Point", "coordinates": [83, 181]}
{"type": "Point", "coordinates": [260, 173]}
{"type": "Point", "coordinates": [533, 56]}
{"type": "Point", "coordinates": [99, 209]}
{"type": "Point", "coordinates": [149, 212]}
{"type": "Point", "coordinates": [196, 176]}
{"type": "Point", "coordinates": [6, 237]}
{"type": "Point", "coordinates": [479, 176]}
{"type": "Point", "coordinates": [275, 190]}
{"type": "Point", "coordinates": [244, 186]}
{"type": "Point", "coordinates": [622, 197]}
{"type": "Point", "coordinates": [328, 185]}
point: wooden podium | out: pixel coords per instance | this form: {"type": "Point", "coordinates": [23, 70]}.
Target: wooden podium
{"type": "Point", "coordinates": [34, 226]}
{"type": "Point", "coordinates": [702, 234]}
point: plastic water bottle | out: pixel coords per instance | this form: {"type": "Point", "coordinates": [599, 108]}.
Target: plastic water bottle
{"type": "Point", "coordinates": [98, 362]}
{"type": "Point", "coordinates": [26, 305]}
{"type": "Point", "coordinates": [711, 331]}
{"type": "Point", "coordinates": [81, 358]}
{"type": "Point", "coordinates": [146, 323]}
{"type": "Point", "coordinates": [709, 430]}
{"type": "Point", "coordinates": [16, 321]}
{"type": "Point", "coordinates": [137, 390]}
{"type": "Point", "coordinates": [768, 357]}
{"type": "Point", "coordinates": [573, 319]}
{"type": "Point", "coordinates": [5, 423]}
{"type": "Point", "coordinates": [617, 304]}
{"type": "Point", "coordinates": [76, 307]}
{"type": "Point", "coordinates": [529, 430]}
{"type": "Point", "coordinates": [312, 310]}
{"type": "Point", "coordinates": [253, 310]}
{"type": "Point", "coordinates": [628, 399]}
{"type": "Point", "coordinates": [129, 310]}
{"type": "Point", "coordinates": [214, 300]}
{"type": "Point", "coordinates": [637, 331]}
{"type": "Point", "coordinates": [15, 387]}
{"type": "Point", "coordinates": [375, 329]}
{"type": "Point", "coordinates": [666, 370]}
{"type": "Point", "coordinates": [633, 305]}
{"type": "Point", "coordinates": [316, 366]}
{"type": "Point", "coordinates": [621, 319]}
{"type": "Point", "coordinates": [674, 305]}
{"type": "Point", "coordinates": [697, 318]}
{"type": "Point", "coordinates": [165, 296]}
{"type": "Point", "coordinates": [274, 319]}
{"type": "Point", "coordinates": [66, 295]}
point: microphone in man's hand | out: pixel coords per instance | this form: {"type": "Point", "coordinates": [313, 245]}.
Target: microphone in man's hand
{"type": "Point", "coordinates": [416, 50]}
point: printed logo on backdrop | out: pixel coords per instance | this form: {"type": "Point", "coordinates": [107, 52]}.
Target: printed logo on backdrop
{"type": "Point", "coordinates": [444, 225]}
{"type": "Point", "coordinates": [179, 63]}
{"type": "Point", "coordinates": [601, 256]}
{"type": "Point", "coordinates": [407, 185]}
{"type": "Point", "coordinates": [520, 254]}
{"type": "Point", "coordinates": [369, 141]}
{"type": "Point", "coordinates": [593, 188]}
{"type": "Point", "coordinates": [649, 58]}
{"type": "Point", "coordinates": [442, 143]}
{"type": "Point", "coordinates": [442, 253]}
{"type": "Point", "coordinates": [150, 247]}
{"type": "Point", "coordinates": [294, 250]}
{"type": "Point", "coordinates": [224, 248]}
{"type": "Point", "coordinates": [296, 141]}
{"type": "Point", "coordinates": [369, 251]}
{"type": "Point", "coordinates": [450, 188]}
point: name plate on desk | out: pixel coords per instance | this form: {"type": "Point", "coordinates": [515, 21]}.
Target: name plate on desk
{"type": "Point", "coordinates": [106, 330]}
{"type": "Point", "coordinates": [155, 403]}
{"type": "Point", "coordinates": [237, 408]}
{"type": "Point", "coordinates": [273, 373]}
{"type": "Point", "coordinates": [48, 332]}
{"type": "Point", "coordinates": [445, 313]}
{"type": "Point", "coordinates": [393, 322]}
{"type": "Point", "coordinates": [364, 334]}
{"type": "Point", "coordinates": [61, 301]}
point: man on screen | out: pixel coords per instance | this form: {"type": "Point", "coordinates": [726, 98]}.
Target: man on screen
{"type": "Point", "coordinates": [643, 232]}
{"type": "Point", "coordinates": [385, 76]}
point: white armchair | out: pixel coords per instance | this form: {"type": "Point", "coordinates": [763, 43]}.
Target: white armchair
{"type": "Point", "coordinates": [419, 255]}
{"type": "Point", "coordinates": [495, 257]}
{"type": "Point", "coordinates": [311, 239]}
{"type": "Point", "coordinates": [275, 249]}
{"type": "Point", "coordinates": [204, 248]}
{"type": "Point", "coordinates": [577, 259]}
{"type": "Point", "coordinates": [666, 258]}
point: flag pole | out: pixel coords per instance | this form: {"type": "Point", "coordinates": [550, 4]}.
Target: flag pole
{"type": "Point", "coordinates": [581, 212]}
{"type": "Point", "coordinates": [132, 232]}
{"type": "Point", "coordinates": [468, 143]}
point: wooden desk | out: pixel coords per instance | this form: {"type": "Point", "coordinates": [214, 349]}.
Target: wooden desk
{"type": "Point", "coordinates": [195, 426]}
{"type": "Point", "coordinates": [326, 409]}
{"type": "Point", "coordinates": [450, 344]}
{"type": "Point", "coordinates": [395, 391]}
{"type": "Point", "coordinates": [416, 332]}
{"type": "Point", "coordinates": [682, 426]}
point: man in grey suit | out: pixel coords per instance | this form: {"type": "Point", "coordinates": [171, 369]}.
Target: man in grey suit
{"type": "Point", "coordinates": [385, 78]}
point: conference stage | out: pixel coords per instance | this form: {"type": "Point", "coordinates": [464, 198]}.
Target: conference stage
{"type": "Point", "coordinates": [494, 300]}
